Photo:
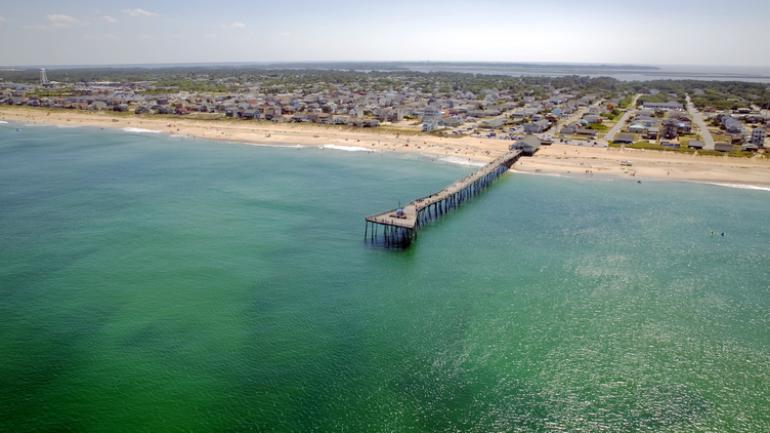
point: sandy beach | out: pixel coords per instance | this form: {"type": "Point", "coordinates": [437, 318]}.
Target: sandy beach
{"type": "Point", "coordinates": [554, 159]}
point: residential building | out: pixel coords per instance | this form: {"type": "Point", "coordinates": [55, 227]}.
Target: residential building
{"type": "Point", "coordinates": [749, 147]}
{"type": "Point", "coordinates": [651, 133]}
{"type": "Point", "coordinates": [624, 139]}
{"type": "Point", "coordinates": [430, 120]}
{"type": "Point", "coordinates": [670, 130]}
{"type": "Point", "coordinates": [758, 136]}
{"type": "Point", "coordinates": [529, 145]}
{"type": "Point", "coordinates": [495, 122]}
{"type": "Point", "coordinates": [592, 119]}
{"type": "Point", "coordinates": [732, 125]}
{"type": "Point", "coordinates": [590, 133]}
{"type": "Point", "coordinates": [664, 106]}
{"type": "Point", "coordinates": [723, 147]}
{"type": "Point", "coordinates": [537, 127]}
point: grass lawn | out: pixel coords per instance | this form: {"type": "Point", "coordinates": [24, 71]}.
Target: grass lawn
{"type": "Point", "coordinates": [598, 127]}
{"type": "Point", "coordinates": [576, 137]}
{"type": "Point", "coordinates": [626, 101]}
{"type": "Point", "coordinates": [681, 149]}
{"type": "Point", "coordinates": [721, 138]}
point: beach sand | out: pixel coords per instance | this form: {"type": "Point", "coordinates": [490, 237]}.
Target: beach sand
{"type": "Point", "coordinates": [554, 159]}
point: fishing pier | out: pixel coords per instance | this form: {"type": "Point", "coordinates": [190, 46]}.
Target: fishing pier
{"type": "Point", "coordinates": [397, 228]}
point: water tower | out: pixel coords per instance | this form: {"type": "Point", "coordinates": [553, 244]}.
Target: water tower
{"type": "Point", "coordinates": [43, 78]}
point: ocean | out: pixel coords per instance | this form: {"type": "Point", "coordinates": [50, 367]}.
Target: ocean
{"type": "Point", "coordinates": [152, 283]}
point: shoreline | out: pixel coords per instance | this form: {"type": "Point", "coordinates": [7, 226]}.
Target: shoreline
{"type": "Point", "coordinates": [556, 159]}
{"type": "Point", "coordinates": [615, 178]}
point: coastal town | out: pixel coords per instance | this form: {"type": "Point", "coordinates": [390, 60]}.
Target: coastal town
{"type": "Point", "coordinates": [592, 112]}
{"type": "Point", "coordinates": [682, 127]}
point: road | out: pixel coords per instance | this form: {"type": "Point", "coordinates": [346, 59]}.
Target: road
{"type": "Point", "coordinates": [578, 114]}
{"type": "Point", "coordinates": [619, 126]}
{"type": "Point", "coordinates": [697, 117]}
{"type": "Point", "coordinates": [572, 118]}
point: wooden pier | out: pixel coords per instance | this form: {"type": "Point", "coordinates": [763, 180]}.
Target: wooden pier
{"type": "Point", "coordinates": [397, 228]}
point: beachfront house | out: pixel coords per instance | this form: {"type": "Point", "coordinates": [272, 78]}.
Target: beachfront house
{"type": "Point", "coordinates": [723, 147]}
{"type": "Point", "coordinates": [248, 114]}
{"type": "Point", "coordinates": [624, 139]}
{"type": "Point", "coordinates": [452, 121]}
{"type": "Point", "coordinates": [537, 127]}
{"type": "Point", "coordinates": [430, 120]}
{"type": "Point", "coordinates": [670, 129]}
{"type": "Point", "coordinates": [749, 147]}
{"type": "Point", "coordinates": [586, 132]}
{"type": "Point", "coordinates": [737, 138]}
{"type": "Point", "coordinates": [695, 145]}
{"type": "Point", "coordinates": [493, 123]}
{"type": "Point", "coordinates": [97, 106]}
{"type": "Point", "coordinates": [758, 136]}
{"type": "Point", "coordinates": [528, 145]}
{"type": "Point", "coordinates": [429, 125]}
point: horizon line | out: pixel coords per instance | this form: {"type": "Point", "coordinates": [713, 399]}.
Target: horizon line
{"type": "Point", "coordinates": [310, 62]}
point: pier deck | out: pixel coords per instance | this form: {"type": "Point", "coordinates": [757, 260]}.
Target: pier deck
{"type": "Point", "coordinates": [400, 228]}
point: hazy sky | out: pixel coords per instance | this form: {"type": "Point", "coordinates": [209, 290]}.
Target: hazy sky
{"type": "Point", "coordinates": [706, 32]}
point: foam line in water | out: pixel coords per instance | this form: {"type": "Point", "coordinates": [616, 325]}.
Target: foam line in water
{"type": "Point", "coordinates": [345, 148]}
{"type": "Point", "coordinates": [740, 186]}
{"type": "Point", "coordinates": [462, 161]}
{"type": "Point", "coordinates": [141, 131]}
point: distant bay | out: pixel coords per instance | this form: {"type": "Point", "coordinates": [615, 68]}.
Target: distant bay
{"type": "Point", "coordinates": [627, 72]}
{"type": "Point", "coordinates": [622, 72]}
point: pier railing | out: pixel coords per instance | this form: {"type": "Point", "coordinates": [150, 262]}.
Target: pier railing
{"type": "Point", "coordinates": [397, 228]}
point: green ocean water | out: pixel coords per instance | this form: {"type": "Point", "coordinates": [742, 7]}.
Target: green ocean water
{"type": "Point", "coordinates": [158, 284]}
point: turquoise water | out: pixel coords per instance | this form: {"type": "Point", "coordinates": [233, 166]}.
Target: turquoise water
{"type": "Point", "coordinates": [154, 284]}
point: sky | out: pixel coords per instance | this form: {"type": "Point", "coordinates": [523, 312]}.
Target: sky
{"type": "Point", "coordinates": [672, 32]}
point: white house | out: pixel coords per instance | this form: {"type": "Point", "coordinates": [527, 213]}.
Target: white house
{"type": "Point", "coordinates": [758, 137]}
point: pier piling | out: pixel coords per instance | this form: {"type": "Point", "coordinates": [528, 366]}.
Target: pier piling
{"type": "Point", "coordinates": [399, 226]}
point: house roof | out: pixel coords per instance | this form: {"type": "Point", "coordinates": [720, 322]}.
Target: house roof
{"type": "Point", "coordinates": [529, 141]}
{"type": "Point", "coordinates": [624, 138]}
{"type": "Point", "coordinates": [587, 131]}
